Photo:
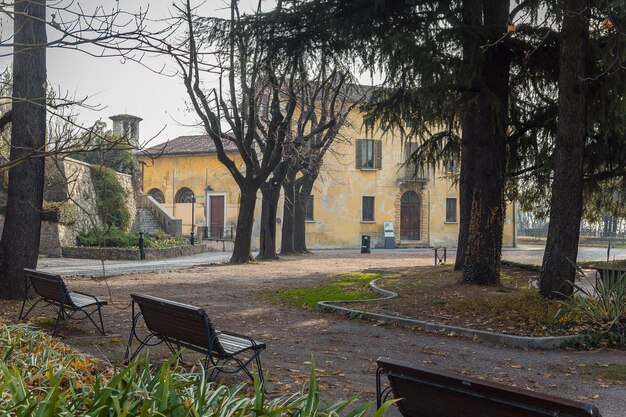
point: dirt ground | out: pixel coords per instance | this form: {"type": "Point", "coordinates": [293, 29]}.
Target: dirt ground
{"type": "Point", "coordinates": [345, 350]}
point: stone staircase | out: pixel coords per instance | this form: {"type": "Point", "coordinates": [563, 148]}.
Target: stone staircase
{"type": "Point", "coordinates": [148, 222]}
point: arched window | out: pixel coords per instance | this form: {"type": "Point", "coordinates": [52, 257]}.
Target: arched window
{"type": "Point", "coordinates": [157, 195]}
{"type": "Point", "coordinates": [184, 195]}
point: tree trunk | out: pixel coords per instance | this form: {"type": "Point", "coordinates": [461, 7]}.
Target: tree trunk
{"type": "Point", "coordinates": [484, 244]}
{"type": "Point", "coordinates": [267, 246]}
{"type": "Point", "coordinates": [299, 231]}
{"type": "Point", "coordinates": [19, 246]}
{"type": "Point", "coordinates": [472, 13]}
{"type": "Point", "coordinates": [286, 238]}
{"type": "Point", "coordinates": [466, 182]}
{"type": "Point", "coordinates": [271, 194]}
{"type": "Point", "coordinates": [566, 202]}
{"type": "Point", "coordinates": [242, 251]}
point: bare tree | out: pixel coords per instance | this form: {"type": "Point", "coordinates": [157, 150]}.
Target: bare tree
{"type": "Point", "coordinates": [100, 33]}
{"type": "Point", "coordinates": [250, 82]}
{"type": "Point", "coordinates": [328, 99]}
{"type": "Point", "coordinates": [323, 103]}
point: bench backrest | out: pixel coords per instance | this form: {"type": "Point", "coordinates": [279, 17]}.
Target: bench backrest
{"type": "Point", "coordinates": [177, 321]}
{"type": "Point", "coordinates": [48, 286]}
{"type": "Point", "coordinates": [428, 392]}
{"type": "Point", "coordinates": [612, 276]}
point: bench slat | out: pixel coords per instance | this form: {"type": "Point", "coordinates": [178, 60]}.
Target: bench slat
{"type": "Point", "coordinates": [428, 392]}
{"type": "Point", "coordinates": [83, 300]}
{"type": "Point", "coordinates": [233, 344]}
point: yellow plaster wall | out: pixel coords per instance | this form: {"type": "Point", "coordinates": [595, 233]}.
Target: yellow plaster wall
{"type": "Point", "coordinates": [196, 172]}
{"type": "Point", "coordinates": [339, 190]}
{"type": "Point", "coordinates": [337, 194]}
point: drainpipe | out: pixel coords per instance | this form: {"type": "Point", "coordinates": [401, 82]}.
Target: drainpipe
{"type": "Point", "coordinates": [514, 224]}
{"type": "Point", "coordinates": [428, 239]}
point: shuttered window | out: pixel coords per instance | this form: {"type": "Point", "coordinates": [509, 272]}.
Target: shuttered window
{"type": "Point", "coordinates": [369, 154]}
{"type": "Point", "coordinates": [368, 209]}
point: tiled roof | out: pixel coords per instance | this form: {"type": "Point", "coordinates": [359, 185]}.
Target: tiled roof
{"type": "Point", "coordinates": [187, 145]}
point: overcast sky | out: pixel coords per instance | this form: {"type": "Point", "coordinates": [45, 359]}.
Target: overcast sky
{"type": "Point", "coordinates": [125, 87]}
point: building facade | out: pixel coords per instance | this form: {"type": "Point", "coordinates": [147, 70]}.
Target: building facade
{"type": "Point", "coordinates": [363, 184]}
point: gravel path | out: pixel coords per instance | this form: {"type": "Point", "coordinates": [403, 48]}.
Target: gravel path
{"type": "Point", "coordinates": [345, 350]}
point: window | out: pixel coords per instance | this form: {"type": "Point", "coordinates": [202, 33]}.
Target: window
{"type": "Point", "coordinates": [368, 154]}
{"type": "Point", "coordinates": [184, 195]}
{"type": "Point", "coordinates": [450, 210]}
{"type": "Point", "coordinates": [409, 149]}
{"type": "Point", "coordinates": [309, 209]}
{"type": "Point", "coordinates": [368, 209]}
{"type": "Point", "coordinates": [157, 195]}
{"type": "Point", "coordinates": [452, 166]}
{"type": "Point", "coordinates": [411, 168]}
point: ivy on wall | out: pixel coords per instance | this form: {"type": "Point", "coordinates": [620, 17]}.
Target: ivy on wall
{"type": "Point", "coordinates": [109, 197]}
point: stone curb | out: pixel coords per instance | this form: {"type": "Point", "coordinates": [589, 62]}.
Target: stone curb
{"type": "Point", "coordinates": [548, 342]}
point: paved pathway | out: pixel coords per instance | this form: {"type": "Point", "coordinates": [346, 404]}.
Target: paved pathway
{"type": "Point", "coordinates": [97, 268]}
{"type": "Point", "coordinates": [529, 254]}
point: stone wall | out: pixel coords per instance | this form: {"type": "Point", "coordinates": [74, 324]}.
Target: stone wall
{"type": "Point", "coordinates": [80, 192]}
{"type": "Point", "coordinates": [69, 181]}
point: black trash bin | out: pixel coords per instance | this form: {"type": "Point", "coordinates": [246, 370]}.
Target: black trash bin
{"type": "Point", "coordinates": [366, 244]}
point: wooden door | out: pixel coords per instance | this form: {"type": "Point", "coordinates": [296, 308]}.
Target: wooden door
{"type": "Point", "coordinates": [410, 216]}
{"type": "Point", "coordinates": [217, 215]}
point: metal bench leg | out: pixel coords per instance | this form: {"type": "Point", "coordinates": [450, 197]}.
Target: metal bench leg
{"type": "Point", "coordinates": [62, 319]}
{"type": "Point", "coordinates": [245, 369]}
{"type": "Point", "coordinates": [31, 308]}
{"type": "Point", "coordinates": [24, 305]}
{"type": "Point", "coordinates": [101, 322]}
{"type": "Point", "coordinates": [89, 316]}
{"type": "Point", "coordinates": [381, 393]}
{"type": "Point", "coordinates": [212, 375]}
{"type": "Point", "coordinates": [259, 368]}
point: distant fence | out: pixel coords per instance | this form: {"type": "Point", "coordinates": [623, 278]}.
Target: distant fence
{"type": "Point", "coordinates": [539, 236]}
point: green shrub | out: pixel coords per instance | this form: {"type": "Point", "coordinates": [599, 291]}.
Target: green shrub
{"type": "Point", "coordinates": [163, 240]}
{"type": "Point", "coordinates": [604, 305]}
{"type": "Point", "coordinates": [41, 377]}
{"type": "Point", "coordinates": [63, 212]}
{"type": "Point", "coordinates": [109, 197]}
{"type": "Point", "coordinates": [113, 237]}
{"type": "Point", "coordinates": [107, 237]}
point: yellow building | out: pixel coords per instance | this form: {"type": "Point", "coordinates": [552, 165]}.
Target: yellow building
{"type": "Point", "coordinates": [363, 184]}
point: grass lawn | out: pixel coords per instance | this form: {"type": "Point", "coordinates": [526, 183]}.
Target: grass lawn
{"type": "Point", "coordinates": [338, 287]}
{"type": "Point", "coordinates": [436, 294]}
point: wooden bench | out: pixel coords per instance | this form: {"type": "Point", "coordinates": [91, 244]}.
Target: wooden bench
{"type": "Point", "coordinates": [425, 392]}
{"type": "Point", "coordinates": [183, 325]}
{"type": "Point", "coordinates": [610, 276]}
{"type": "Point", "coordinates": [51, 291]}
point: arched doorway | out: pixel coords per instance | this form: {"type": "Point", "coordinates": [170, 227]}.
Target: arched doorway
{"type": "Point", "coordinates": [410, 216]}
